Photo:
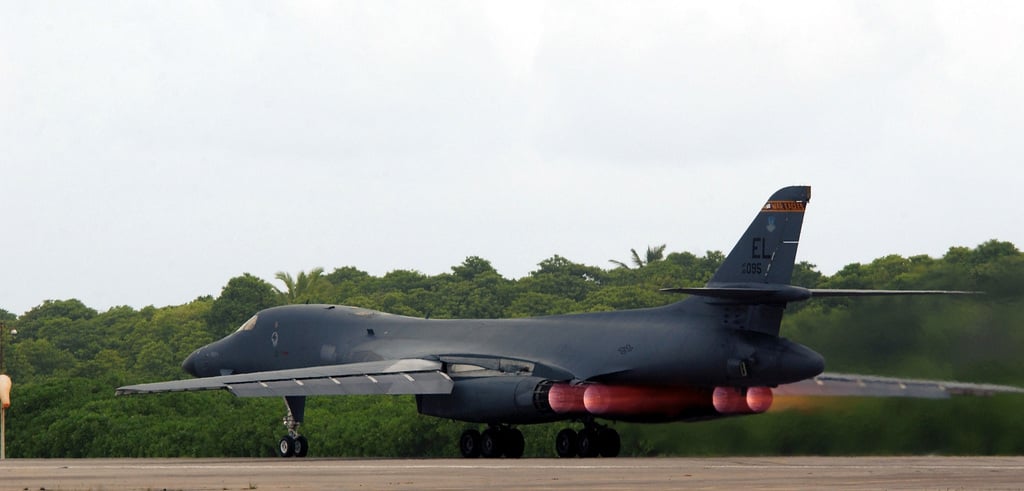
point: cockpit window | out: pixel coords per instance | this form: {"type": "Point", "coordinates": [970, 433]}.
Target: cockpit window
{"type": "Point", "coordinates": [249, 324]}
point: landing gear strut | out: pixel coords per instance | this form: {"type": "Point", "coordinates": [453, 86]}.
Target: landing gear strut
{"type": "Point", "coordinates": [293, 444]}
{"type": "Point", "coordinates": [495, 441]}
{"type": "Point", "coordinates": [591, 441]}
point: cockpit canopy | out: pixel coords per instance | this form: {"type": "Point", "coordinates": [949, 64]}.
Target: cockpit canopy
{"type": "Point", "coordinates": [249, 324]}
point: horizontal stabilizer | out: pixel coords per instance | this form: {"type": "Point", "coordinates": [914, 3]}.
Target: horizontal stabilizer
{"type": "Point", "coordinates": [410, 376]}
{"type": "Point", "coordinates": [815, 292]}
{"type": "Point", "coordinates": [773, 293]}
{"type": "Point", "coordinates": [839, 385]}
{"type": "Point", "coordinates": [748, 293]}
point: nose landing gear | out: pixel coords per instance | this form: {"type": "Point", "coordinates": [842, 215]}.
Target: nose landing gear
{"type": "Point", "coordinates": [293, 444]}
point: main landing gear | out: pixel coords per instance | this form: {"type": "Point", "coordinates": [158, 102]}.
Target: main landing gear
{"type": "Point", "coordinates": [293, 444]}
{"type": "Point", "coordinates": [503, 440]}
{"type": "Point", "coordinates": [494, 442]}
{"type": "Point", "coordinates": [591, 441]}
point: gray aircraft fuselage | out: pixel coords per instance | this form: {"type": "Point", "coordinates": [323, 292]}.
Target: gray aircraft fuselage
{"type": "Point", "coordinates": [677, 345]}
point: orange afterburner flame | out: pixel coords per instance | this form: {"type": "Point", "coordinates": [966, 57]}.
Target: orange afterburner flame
{"type": "Point", "coordinates": [733, 400]}
{"type": "Point", "coordinates": [807, 403]}
{"type": "Point", "coordinates": [610, 400]}
{"type": "Point", "coordinates": [759, 399]}
{"type": "Point", "coordinates": [647, 401]}
{"type": "Point", "coordinates": [564, 398]}
{"type": "Point", "coordinates": [729, 400]}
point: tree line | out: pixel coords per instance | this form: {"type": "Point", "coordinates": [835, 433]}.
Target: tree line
{"type": "Point", "coordinates": [67, 359]}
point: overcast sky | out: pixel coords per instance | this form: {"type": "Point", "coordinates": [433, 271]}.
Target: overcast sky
{"type": "Point", "coordinates": [151, 151]}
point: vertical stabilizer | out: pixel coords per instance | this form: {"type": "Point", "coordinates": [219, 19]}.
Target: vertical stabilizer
{"type": "Point", "coordinates": [767, 251]}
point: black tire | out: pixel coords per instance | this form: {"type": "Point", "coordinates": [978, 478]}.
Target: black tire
{"type": "Point", "coordinates": [611, 444]}
{"type": "Point", "coordinates": [565, 443]}
{"type": "Point", "coordinates": [589, 443]}
{"type": "Point", "coordinates": [490, 444]}
{"type": "Point", "coordinates": [469, 444]}
{"type": "Point", "coordinates": [286, 447]}
{"type": "Point", "coordinates": [301, 446]}
{"type": "Point", "coordinates": [513, 442]}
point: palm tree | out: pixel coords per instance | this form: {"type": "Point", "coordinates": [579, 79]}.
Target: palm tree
{"type": "Point", "coordinates": [653, 254]}
{"type": "Point", "coordinates": [302, 283]}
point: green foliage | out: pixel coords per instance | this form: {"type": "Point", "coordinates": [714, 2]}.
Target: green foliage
{"type": "Point", "coordinates": [560, 276]}
{"type": "Point", "coordinates": [304, 287]}
{"type": "Point", "coordinates": [68, 358]}
{"type": "Point", "coordinates": [7, 316]}
{"type": "Point", "coordinates": [654, 253]}
{"type": "Point", "coordinates": [241, 298]}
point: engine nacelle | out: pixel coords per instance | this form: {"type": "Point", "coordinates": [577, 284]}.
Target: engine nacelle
{"type": "Point", "coordinates": [502, 399]}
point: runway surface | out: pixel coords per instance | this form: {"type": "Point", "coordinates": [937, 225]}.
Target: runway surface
{"type": "Point", "coordinates": [582, 474]}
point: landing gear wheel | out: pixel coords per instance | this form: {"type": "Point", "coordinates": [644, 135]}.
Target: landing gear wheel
{"type": "Point", "coordinates": [589, 443]}
{"type": "Point", "coordinates": [610, 442]}
{"type": "Point", "coordinates": [469, 444]}
{"type": "Point", "coordinates": [301, 446]}
{"type": "Point", "coordinates": [514, 443]}
{"type": "Point", "coordinates": [293, 444]}
{"type": "Point", "coordinates": [286, 447]}
{"type": "Point", "coordinates": [565, 443]}
{"type": "Point", "coordinates": [490, 443]}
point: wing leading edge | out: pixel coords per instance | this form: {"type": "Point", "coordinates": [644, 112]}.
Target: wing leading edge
{"type": "Point", "coordinates": [408, 376]}
{"type": "Point", "coordinates": [840, 384]}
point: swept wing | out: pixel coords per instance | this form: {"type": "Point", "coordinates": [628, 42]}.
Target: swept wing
{"type": "Point", "coordinates": [406, 376]}
{"type": "Point", "coordinates": [841, 384]}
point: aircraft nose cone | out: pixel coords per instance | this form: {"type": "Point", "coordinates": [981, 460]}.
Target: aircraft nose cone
{"type": "Point", "coordinates": [189, 365]}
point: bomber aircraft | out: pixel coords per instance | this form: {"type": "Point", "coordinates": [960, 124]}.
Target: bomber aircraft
{"type": "Point", "coordinates": [716, 353]}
